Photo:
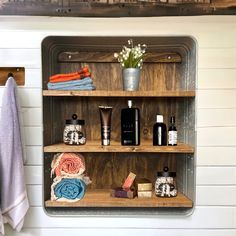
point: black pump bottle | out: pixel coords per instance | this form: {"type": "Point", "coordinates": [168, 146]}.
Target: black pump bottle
{"type": "Point", "coordinates": [130, 125]}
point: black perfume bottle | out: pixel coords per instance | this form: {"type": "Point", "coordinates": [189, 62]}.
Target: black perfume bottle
{"type": "Point", "coordinates": [130, 125]}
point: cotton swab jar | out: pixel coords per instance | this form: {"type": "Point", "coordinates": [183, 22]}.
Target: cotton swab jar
{"type": "Point", "coordinates": [165, 185]}
{"type": "Point", "coordinates": [74, 131]}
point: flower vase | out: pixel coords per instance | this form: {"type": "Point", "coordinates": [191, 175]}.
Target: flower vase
{"type": "Point", "coordinates": [131, 78]}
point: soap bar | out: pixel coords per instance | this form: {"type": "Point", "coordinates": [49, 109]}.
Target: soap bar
{"type": "Point", "coordinates": [143, 185]}
{"type": "Point", "coordinates": [121, 193]}
{"type": "Point", "coordinates": [144, 194]}
{"type": "Point", "coordinates": [129, 181]}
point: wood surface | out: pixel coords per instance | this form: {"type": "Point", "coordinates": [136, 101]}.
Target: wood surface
{"type": "Point", "coordinates": [86, 108]}
{"type": "Point", "coordinates": [105, 93]}
{"type": "Point", "coordinates": [17, 72]}
{"type": "Point", "coordinates": [95, 146]}
{"type": "Point", "coordinates": [108, 57]}
{"type": "Point", "coordinates": [102, 198]}
{"type": "Point", "coordinates": [158, 77]}
{"type": "Point", "coordinates": [109, 170]}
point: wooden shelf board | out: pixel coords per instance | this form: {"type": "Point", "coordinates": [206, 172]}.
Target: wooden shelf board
{"type": "Point", "coordinates": [108, 57]}
{"type": "Point", "coordinates": [102, 198]}
{"type": "Point", "coordinates": [95, 146]}
{"type": "Point", "coordinates": [104, 93]}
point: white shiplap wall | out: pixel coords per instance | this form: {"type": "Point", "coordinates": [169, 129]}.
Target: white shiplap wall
{"type": "Point", "coordinates": [215, 212]}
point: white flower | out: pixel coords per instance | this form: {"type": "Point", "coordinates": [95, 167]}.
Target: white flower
{"type": "Point", "coordinates": [131, 57]}
{"type": "Point", "coordinates": [130, 41]}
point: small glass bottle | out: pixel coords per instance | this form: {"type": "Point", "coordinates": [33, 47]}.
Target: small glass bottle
{"type": "Point", "coordinates": [172, 132]}
{"type": "Point", "coordinates": [159, 132]}
{"type": "Point", "coordinates": [165, 185]}
{"type": "Point", "coordinates": [74, 131]}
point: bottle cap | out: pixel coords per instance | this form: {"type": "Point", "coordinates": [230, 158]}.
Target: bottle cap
{"type": "Point", "coordinates": [74, 121]}
{"type": "Point", "coordinates": [159, 118]}
{"type": "Point", "coordinates": [166, 173]}
{"type": "Point", "coordinates": [129, 103]}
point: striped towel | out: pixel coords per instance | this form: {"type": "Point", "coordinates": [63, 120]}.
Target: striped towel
{"type": "Point", "coordinates": [69, 164]}
{"type": "Point", "coordinates": [68, 189]}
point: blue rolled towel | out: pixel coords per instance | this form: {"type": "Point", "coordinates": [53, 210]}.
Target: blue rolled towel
{"type": "Point", "coordinates": [70, 189]}
{"type": "Point", "coordinates": [71, 83]}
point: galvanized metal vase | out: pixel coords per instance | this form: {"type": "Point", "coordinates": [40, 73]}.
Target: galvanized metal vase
{"type": "Point", "coordinates": [131, 78]}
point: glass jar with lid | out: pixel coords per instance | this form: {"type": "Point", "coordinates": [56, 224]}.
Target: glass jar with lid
{"type": "Point", "coordinates": [74, 131]}
{"type": "Point", "coordinates": [165, 185]}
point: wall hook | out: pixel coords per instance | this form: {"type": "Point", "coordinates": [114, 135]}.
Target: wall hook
{"type": "Point", "coordinates": [18, 73]}
{"type": "Point", "coordinates": [10, 75]}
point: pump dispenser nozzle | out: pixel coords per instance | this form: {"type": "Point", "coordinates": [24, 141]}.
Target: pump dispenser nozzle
{"type": "Point", "coordinates": [129, 103]}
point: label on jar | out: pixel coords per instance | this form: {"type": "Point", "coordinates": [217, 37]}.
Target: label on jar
{"type": "Point", "coordinates": [172, 138]}
{"type": "Point", "coordinates": [73, 135]}
{"type": "Point", "coordinates": [165, 187]}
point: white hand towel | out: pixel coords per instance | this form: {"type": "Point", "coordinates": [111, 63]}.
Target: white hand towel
{"type": "Point", "coordinates": [13, 197]}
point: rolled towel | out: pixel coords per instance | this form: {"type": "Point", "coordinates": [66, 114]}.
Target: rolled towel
{"type": "Point", "coordinates": [69, 164]}
{"type": "Point", "coordinates": [68, 189]}
{"type": "Point", "coordinates": [73, 83]}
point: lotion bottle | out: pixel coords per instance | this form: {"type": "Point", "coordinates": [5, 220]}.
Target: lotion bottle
{"type": "Point", "coordinates": [159, 132]}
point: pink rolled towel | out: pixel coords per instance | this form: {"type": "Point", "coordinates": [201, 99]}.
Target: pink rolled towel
{"type": "Point", "coordinates": [69, 164]}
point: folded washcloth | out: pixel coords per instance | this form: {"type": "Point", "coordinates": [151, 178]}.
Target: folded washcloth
{"type": "Point", "coordinates": [81, 88]}
{"type": "Point", "coordinates": [84, 72]}
{"type": "Point", "coordinates": [13, 197]}
{"type": "Point", "coordinates": [81, 71]}
{"type": "Point", "coordinates": [70, 164]}
{"type": "Point", "coordinates": [68, 189]}
{"type": "Point", "coordinates": [84, 81]}
{"type": "Point", "coordinates": [70, 78]}
{"type": "Point", "coordinates": [85, 84]}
